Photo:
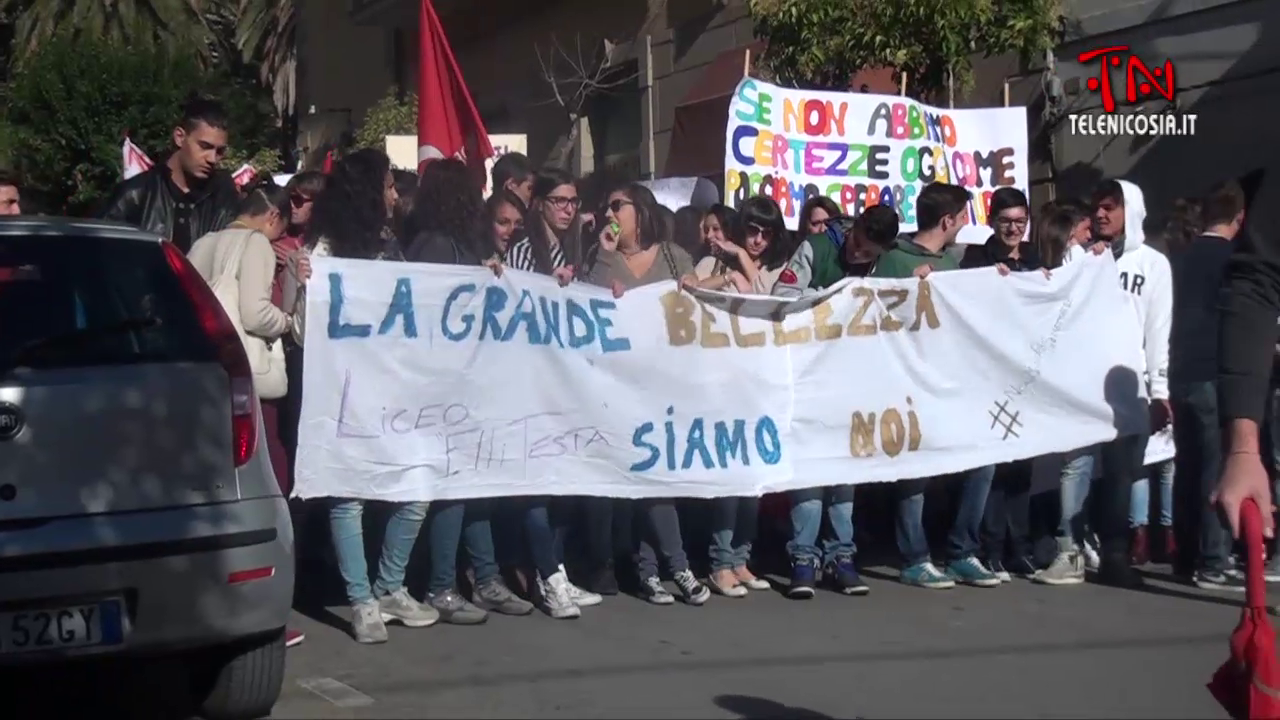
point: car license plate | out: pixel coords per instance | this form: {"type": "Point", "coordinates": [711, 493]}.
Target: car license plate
{"type": "Point", "coordinates": [75, 626]}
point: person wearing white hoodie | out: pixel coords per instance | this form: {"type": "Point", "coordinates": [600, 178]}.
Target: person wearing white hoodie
{"type": "Point", "coordinates": [1119, 211]}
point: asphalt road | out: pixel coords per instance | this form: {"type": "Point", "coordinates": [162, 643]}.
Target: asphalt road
{"type": "Point", "coordinates": [1019, 651]}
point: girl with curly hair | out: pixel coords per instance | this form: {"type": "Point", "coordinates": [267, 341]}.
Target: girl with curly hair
{"type": "Point", "coordinates": [349, 220]}
{"type": "Point", "coordinates": [449, 218]}
{"type": "Point", "coordinates": [454, 228]}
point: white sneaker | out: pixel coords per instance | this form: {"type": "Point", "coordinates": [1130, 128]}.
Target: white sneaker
{"type": "Point", "coordinates": [556, 599]}
{"type": "Point", "coordinates": [581, 598]}
{"type": "Point", "coordinates": [1090, 548]}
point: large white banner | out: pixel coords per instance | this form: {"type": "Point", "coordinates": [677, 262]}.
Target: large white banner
{"type": "Point", "coordinates": [860, 150]}
{"type": "Point", "coordinates": [429, 382]}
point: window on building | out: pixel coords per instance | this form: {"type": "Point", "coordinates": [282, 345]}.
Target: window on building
{"type": "Point", "coordinates": [615, 114]}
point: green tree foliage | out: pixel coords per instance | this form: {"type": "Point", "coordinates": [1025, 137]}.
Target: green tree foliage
{"type": "Point", "coordinates": [823, 43]}
{"type": "Point", "coordinates": [392, 115]}
{"type": "Point", "coordinates": [177, 25]}
{"type": "Point", "coordinates": [74, 98]}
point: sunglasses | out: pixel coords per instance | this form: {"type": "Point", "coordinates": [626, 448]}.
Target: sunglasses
{"type": "Point", "coordinates": [299, 201]}
{"type": "Point", "coordinates": [618, 204]}
{"type": "Point", "coordinates": [764, 232]}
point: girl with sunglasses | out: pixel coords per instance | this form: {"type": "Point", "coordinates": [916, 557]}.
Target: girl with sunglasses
{"type": "Point", "coordinates": [751, 257]}
{"type": "Point", "coordinates": [635, 250]}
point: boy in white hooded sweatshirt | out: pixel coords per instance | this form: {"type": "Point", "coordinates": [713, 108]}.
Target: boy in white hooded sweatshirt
{"type": "Point", "coordinates": [1119, 212]}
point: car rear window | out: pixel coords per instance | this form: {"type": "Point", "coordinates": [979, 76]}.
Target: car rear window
{"type": "Point", "coordinates": [69, 301]}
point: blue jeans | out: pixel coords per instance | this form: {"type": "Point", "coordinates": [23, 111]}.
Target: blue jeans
{"type": "Point", "coordinates": [460, 522]}
{"type": "Point", "coordinates": [1140, 496]}
{"type": "Point", "coordinates": [962, 541]}
{"type": "Point", "coordinates": [806, 523]}
{"type": "Point", "coordinates": [1076, 478]}
{"type": "Point", "coordinates": [733, 530]}
{"type": "Point", "coordinates": [346, 525]}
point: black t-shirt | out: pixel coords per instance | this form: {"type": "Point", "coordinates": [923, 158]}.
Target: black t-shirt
{"type": "Point", "coordinates": [1198, 271]}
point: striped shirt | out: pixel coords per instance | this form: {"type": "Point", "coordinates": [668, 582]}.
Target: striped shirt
{"type": "Point", "coordinates": [521, 257]}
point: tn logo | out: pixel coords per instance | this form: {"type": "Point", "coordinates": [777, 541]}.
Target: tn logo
{"type": "Point", "coordinates": [1132, 283]}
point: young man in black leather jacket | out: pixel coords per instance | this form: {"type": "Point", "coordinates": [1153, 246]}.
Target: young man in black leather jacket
{"type": "Point", "coordinates": [186, 196]}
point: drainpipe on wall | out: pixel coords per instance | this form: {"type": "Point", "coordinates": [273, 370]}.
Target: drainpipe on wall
{"type": "Point", "coordinates": [648, 155]}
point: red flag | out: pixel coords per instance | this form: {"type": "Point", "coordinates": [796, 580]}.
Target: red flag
{"type": "Point", "coordinates": [448, 124]}
{"type": "Point", "coordinates": [328, 162]}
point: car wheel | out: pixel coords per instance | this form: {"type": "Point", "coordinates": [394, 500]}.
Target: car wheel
{"type": "Point", "coordinates": [242, 682]}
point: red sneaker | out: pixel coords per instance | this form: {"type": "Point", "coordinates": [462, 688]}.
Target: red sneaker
{"type": "Point", "coordinates": [293, 638]}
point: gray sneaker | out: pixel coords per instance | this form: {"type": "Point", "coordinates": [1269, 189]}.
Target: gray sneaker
{"type": "Point", "coordinates": [1067, 568]}
{"type": "Point", "coordinates": [366, 623]}
{"type": "Point", "coordinates": [455, 610]}
{"type": "Point", "coordinates": [493, 595]}
{"type": "Point", "coordinates": [400, 606]}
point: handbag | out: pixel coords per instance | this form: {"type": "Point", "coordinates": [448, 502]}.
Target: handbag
{"type": "Point", "coordinates": [266, 357]}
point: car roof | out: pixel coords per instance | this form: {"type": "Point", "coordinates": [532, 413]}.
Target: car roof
{"type": "Point", "coordinates": [76, 227]}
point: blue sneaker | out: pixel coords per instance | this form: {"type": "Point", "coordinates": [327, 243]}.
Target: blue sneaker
{"type": "Point", "coordinates": [971, 571]}
{"type": "Point", "coordinates": [804, 572]}
{"type": "Point", "coordinates": [926, 575]}
{"type": "Point", "coordinates": [844, 576]}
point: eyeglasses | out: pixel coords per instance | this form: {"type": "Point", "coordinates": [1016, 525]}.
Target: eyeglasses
{"type": "Point", "coordinates": [560, 203]}
{"type": "Point", "coordinates": [1011, 222]}
{"type": "Point", "coordinates": [299, 201]}
{"type": "Point", "coordinates": [617, 204]}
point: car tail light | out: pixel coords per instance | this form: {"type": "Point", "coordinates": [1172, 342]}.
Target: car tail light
{"type": "Point", "coordinates": [231, 355]}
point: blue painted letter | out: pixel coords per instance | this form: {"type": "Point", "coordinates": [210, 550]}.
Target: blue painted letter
{"type": "Point", "coordinates": [768, 444]}
{"type": "Point", "coordinates": [468, 319]}
{"type": "Point", "coordinates": [583, 318]}
{"type": "Point", "coordinates": [603, 323]}
{"type": "Point", "coordinates": [637, 439]}
{"type": "Point", "coordinates": [732, 445]}
{"type": "Point", "coordinates": [401, 306]}
{"type": "Point", "coordinates": [337, 328]}
{"type": "Point", "coordinates": [495, 299]}
{"type": "Point", "coordinates": [526, 312]}
{"type": "Point", "coordinates": [696, 441]}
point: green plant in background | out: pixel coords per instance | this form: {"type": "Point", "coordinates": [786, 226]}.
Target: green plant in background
{"type": "Point", "coordinates": [74, 98]}
{"type": "Point", "coordinates": [824, 43]}
{"type": "Point", "coordinates": [392, 115]}
{"type": "Point", "coordinates": [265, 160]}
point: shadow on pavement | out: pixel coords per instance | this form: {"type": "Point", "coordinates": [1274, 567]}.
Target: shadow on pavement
{"type": "Point", "coordinates": [749, 707]}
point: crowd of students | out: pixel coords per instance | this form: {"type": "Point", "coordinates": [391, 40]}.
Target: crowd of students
{"type": "Point", "coordinates": [616, 235]}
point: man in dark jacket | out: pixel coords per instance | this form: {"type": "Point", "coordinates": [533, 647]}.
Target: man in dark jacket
{"type": "Point", "coordinates": [1198, 271]}
{"type": "Point", "coordinates": [1246, 348]}
{"type": "Point", "coordinates": [186, 196]}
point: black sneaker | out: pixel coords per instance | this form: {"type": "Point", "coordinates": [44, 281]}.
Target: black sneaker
{"type": "Point", "coordinates": [1023, 567]}
{"type": "Point", "coordinates": [604, 581]}
{"type": "Point", "coordinates": [1228, 579]}
{"type": "Point", "coordinates": [1117, 571]}
{"type": "Point", "coordinates": [803, 576]}
{"type": "Point", "coordinates": [998, 569]}
{"type": "Point", "coordinates": [844, 577]}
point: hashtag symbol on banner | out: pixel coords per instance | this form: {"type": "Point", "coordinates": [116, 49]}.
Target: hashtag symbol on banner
{"type": "Point", "coordinates": [1005, 419]}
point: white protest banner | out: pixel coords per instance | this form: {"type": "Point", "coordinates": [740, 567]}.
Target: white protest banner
{"type": "Point", "coordinates": [674, 193]}
{"type": "Point", "coordinates": [429, 382]}
{"type": "Point", "coordinates": [860, 150]}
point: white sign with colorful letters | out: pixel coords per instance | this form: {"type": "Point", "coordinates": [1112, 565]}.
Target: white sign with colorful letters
{"type": "Point", "coordinates": [430, 382]}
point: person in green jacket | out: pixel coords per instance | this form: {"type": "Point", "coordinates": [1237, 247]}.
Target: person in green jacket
{"type": "Point", "coordinates": [849, 248]}
{"type": "Point", "coordinates": [941, 211]}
